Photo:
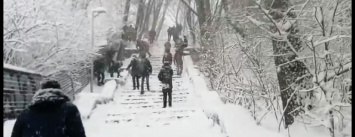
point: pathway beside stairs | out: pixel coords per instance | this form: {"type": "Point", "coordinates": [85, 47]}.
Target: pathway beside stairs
{"type": "Point", "coordinates": [133, 115]}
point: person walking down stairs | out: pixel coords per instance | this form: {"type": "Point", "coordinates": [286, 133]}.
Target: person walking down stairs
{"type": "Point", "coordinates": [165, 76]}
{"type": "Point", "coordinates": [143, 47]}
{"type": "Point", "coordinates": [133, 68]}
{"type": "Point", "coordinates": [145, 70]}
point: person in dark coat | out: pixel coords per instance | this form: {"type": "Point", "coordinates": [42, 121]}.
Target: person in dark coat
{"type": "Point", "coordinates": [167, 46]}
{"type": "Point", "coordinates": [175, 34]}
{"type": "Point", "coordinates": [170, 33]}
{"type": "Point", "coordinates": [167, 56]}
{"type": "Point", "coordinates": [152, 35]}
{"type": "Point", "coordinates": [146, 70]}
{"type": "Point", "coordinates": [134, 71]}
{"type": "Point", "coordinates": [178, 60]}
{"type": "Point", "coordinates": [178, 29]}
{"type": "Point", "coordinates": [165, 76]}
{"type": "Point", "coordinates": [99, 70]}
{"type": "Point", "coordinates": [50, 114]}
{"type": "Point", "coordinates": [115, 68]}
{"type": "Point", "coordinates": [185, 43]}
{"type": "Point", "coordinates": [143, 47]}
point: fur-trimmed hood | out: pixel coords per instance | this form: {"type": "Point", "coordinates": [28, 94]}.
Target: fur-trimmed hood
{"type": "Point", "coordinates": [48, 99]}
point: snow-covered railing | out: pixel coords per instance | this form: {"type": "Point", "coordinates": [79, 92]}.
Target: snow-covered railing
{"type": "Point", "coordinates": [72, 84]}
{"type": "Point", "coordinates": [19, 86]}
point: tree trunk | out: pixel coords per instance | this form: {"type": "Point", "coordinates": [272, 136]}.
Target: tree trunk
{"type": "Point", "coordinates": [177, 14]}
{"type": "Point", "coordinates": [126, 11]}
{"type": "Point", "coordinates": [161, 21]}
{"type": "Point", "coordinates": [140, 14]}
{"type": "Point", "coordinates": [200, 4]}
{"type": "Point", "coordinates": [288, 74]}
{"type": "Point", "coordinates": [189, 24]}
{"type": "Point", "coordinates": [156, 14]}
{"type": "Point", "coordinates": [144, 24]}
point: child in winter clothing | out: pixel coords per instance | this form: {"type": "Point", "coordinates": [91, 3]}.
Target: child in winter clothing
{"type": "Point", "coordinates": [165, 76]}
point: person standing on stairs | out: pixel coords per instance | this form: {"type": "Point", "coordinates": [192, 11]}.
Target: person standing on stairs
{"type": "Point", "coordinates": [134, 71]}
{"type": "Point", "coordinates": [145, 70]}
{"type": "Point", "coordinates": [166, 77]}
{"type": "Point", "coordinates": [178, 60]}
{"type": "Point", "coordinates": [167, 46]}
{"type": "Point", "coordinates": [167, 56]}
{"type": "Point", "coordinates": [152, 35]}
{"type": "Point", "coordinates": [170, 33]}
{"type": "Point", "coordinates": [99, 70]}
{"type": "Point", "coordinates": [143, 47]}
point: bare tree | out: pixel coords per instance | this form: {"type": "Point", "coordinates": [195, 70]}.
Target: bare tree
{"type": "Point", "coordinates": [156, 13]}
{"type": "Point", "coordinates": [126, 11]}
{"type": "Point", "coordinates": [162, 18]}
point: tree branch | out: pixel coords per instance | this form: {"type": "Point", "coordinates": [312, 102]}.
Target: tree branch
{"type": "Point", "coordinates": [189, 7]}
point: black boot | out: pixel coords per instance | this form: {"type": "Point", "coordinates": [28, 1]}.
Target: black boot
{"type": "Point", "coordinates": [164, 104]}
{"type": "Point", "coordinates": [169, 103]}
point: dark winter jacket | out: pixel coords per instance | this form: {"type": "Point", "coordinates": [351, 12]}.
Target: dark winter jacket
{"type": "Point", "coordinates": [99, 65]}
{"type": "Point", "coordinates": [146, 67]}
{"type": "Point", "coordinates": [167, 46]}
{"type": "Point", "coordinates": [166, 68]}
{"type": "Point", "coordinates": [168, 57]}
{"type": "Point", "coordinates": [142, 45]}
{"type": "Point", "coordinates": [50, 114]}
{"type": "Point", "coordinates": [170, 31]}
{"type": "Point", "coordinates": [135, 68]}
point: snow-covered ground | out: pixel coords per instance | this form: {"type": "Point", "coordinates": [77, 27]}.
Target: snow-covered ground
{"type": "Point", "coordinates": [131, 112]}
{"type": "Point", "coordinates": [196, 111]}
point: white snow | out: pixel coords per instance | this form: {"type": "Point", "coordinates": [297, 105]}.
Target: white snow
{"type": "Point", "coordinates": [99, 9]}
{"type": "Point", "coordinates": [108, 91]}
{"type": "Point", "coordinates": [236, 121]}
{"type": "Point", "coordinates": [86, 102]}
{"type": "Point", "coordinates": [131, 112]}
{"type": "Point", "coordinates": [8, 125]}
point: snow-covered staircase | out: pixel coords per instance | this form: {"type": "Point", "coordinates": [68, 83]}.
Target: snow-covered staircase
{"type": "Point", "coordinates": [131, 103]}
{"type": "Point", "coordinates": [131, 110]}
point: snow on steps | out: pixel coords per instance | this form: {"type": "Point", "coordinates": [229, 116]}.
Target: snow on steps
{"type": "Point", "coordinates": [233, 120]}
{"type": "Point", "coordinates": [87, 102]}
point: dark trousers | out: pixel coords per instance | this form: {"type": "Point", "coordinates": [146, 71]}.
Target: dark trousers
{"type": "Point", "coordinates": [151, 40]}
{"type": "Point", "coordinates": [147, 82]}
{"type": "Point", "coordinates": [135, 80]}
{"type": "Point", "coordinates": [167, 92]}
{"type": "Point", "coordinates": [100, 78]}
{"type": "Point", "coordinates": [115, 69]}
{"type": "Point", "coordinates": [179, 65]}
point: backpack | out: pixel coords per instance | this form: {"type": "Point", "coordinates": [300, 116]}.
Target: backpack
{"type": "Point", "coordinates": [166, 75]}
